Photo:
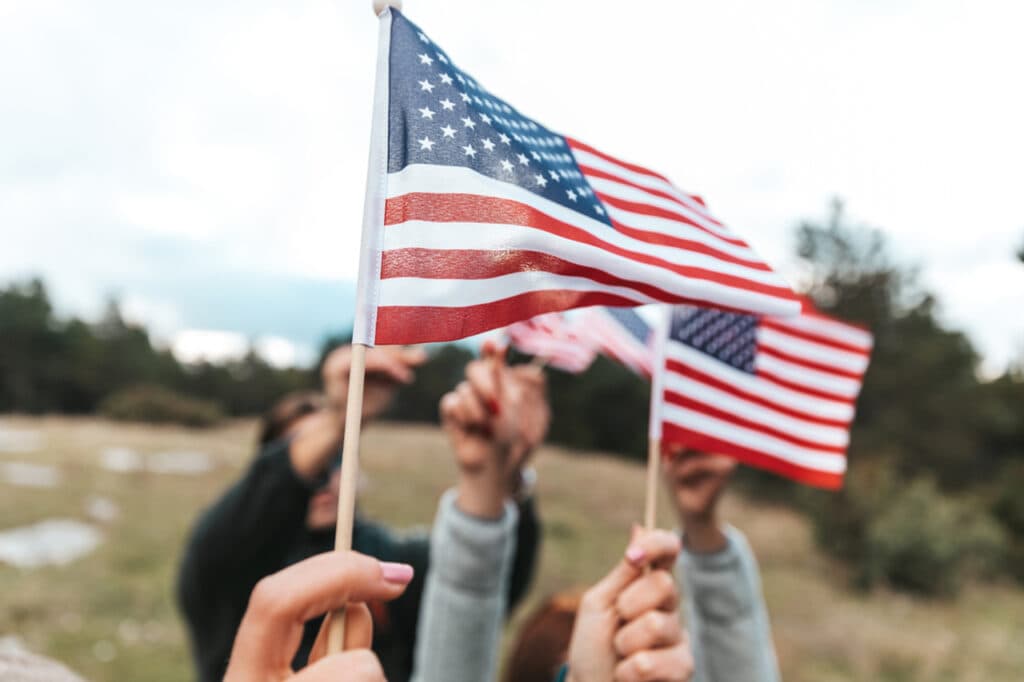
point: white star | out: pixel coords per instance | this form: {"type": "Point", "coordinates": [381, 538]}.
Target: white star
{"type": "Point", "coordinates": [464, 96]}
{"type": "Point", "coordinates": [523, 161]}
{"type": "Point", "coordinates": [425, 85]}
{"type": "Point", "coordinates": [504, 138]}
{"type": "Point", "coordinates": [488, 145]}
{"type": "Point", "coordinates": [485, 118]}
{"type": "Point", "coordinates": [535, 155]}
{"type": "Point", "coordinates": [423, 38]}
{"type": "Point", "coordinates": [541, 180]}
{"type": "Point", "coordinates": [447, 104]}
{"type": "Point", "coordinates": [459, 78]}
{"type": "Point", "coordinates": [425, 59]}
{"type": "Point", "coordinates": [554, 175]}
{"type": "Point", "coordinates": [506, 165]}
{"type": "Point", "coordinates": [470, 152]}
{"type": "Point", "coordinates": [446, 79]}
{"type": "Point", "coordinates": [448, 131]}
{"type": "Point", "coordinates": [426, 143]}
{"type": "Point", "coordinates": [467, 122]}
{"type": "Point", "coordinates": [442, 58]}
{"type": "Point", "coordinates": [571, 195]}
{"type": "Point", "coordinates": [425, 112]}
{"type": "Point", "coordinates": [598, 210]}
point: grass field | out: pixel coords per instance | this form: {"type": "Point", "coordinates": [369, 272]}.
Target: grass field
{"type": "Point", "coordinates": [111, 614]}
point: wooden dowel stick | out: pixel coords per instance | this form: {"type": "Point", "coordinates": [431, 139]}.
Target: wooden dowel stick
{"type": "Point", "coordinates": [539, 362]}
{"type": "Point", "coordinates": [349, 480]}
{"type": "Point", "coordinates": [653, 463]}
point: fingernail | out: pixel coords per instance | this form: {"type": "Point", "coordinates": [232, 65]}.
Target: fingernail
{"type": "Point", "coordinates": [399, 574]}
{"type": "Point", "coordinates": [493, 406]}
{"type": "Point", "coordinates": [635, 554]}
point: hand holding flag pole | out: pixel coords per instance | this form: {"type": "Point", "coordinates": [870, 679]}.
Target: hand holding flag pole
{"type": "Point", "coordinates": [354, 406]}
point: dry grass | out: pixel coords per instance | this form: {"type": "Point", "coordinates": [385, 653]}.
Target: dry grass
{"type": "Point", "coordinates": [119, 599]}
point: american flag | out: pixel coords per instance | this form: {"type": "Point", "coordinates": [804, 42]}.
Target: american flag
{"type": "Point", "coordinates": [776, 393]}
{"type": "Point", "coordinates": [621, 334]}
{"type": "Point", "coordinates": [477, 216]}
{"type": "Point", "coordinates": [553, 338]}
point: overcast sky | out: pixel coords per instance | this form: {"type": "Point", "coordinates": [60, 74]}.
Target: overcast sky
{"type": "Point", "coordinates": [205, 160]}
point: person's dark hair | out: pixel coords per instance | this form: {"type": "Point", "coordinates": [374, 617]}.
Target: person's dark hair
{"type": "Point", "coordinates": [543, 641]}
{"type": "Point", "coordinates": [286, 411]}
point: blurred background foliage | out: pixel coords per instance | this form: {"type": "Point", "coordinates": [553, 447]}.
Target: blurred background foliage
{"type": "Point", "coordinates": [935, 490]}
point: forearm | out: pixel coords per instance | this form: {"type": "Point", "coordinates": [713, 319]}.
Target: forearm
{"type": "Point", "coordinates": [464, 599]}
{"type": "Point", "coordinates": [729, 627]}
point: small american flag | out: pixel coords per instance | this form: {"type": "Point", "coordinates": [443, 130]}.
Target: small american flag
{"type": "Point", "coordinates": [774, 393]}
{"type": "Point", "coordinates": [478, 216]}
{"type": "Point", "coordinates": [554, 339]}
{"type": "Point", "coordinates": [621, 334]}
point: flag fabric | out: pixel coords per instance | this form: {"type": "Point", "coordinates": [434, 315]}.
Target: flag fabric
{"type": "Point", "coordinates": [477, 216]}
{"type": "Point", "coordinates": [621, 334]}
{"type": "Point", "coordinates": [553, 338]}
{"type": "Point", "coordinates": [776, 393]}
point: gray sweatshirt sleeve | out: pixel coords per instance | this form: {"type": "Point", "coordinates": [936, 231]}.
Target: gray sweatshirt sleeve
{"type": "Point", "coordinates": [463, 609]}
{"type": "Point", "coordinates": [729, 629]}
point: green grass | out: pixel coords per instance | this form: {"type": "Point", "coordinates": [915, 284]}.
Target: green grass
{"type": "Point", "coordinates": [118, 601]}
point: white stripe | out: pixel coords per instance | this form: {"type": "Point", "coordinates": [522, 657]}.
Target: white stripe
{"type": "Point", "coordinates": [498, 238]}
{"type": "Point", "coordinates": [828, 329]}
{"type": "Point", "coordinates": [680, 230]}
{"type": "Point", "coordinates": [501, 238]}
{"type": "Point", "coordinates": [585, 158]}
{"type": "Point", "coordinates": [629, 193]}
{"type": "Point", "coordinates": [812, 352]}
{"type": "Point", "coordinates": [808, 458]}
{"type": "Point", "coordinates": [458, 293]}
{"type": "Point", "coordinates": [821, 435]}
{"type": "Point", "coordinates": [812, 406]}
{"type": "Point", "coordinates": [812, 379]}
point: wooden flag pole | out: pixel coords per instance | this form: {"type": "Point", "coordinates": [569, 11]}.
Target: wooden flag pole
{"type": "Point", "coordinates": [373, 218]}
{"type": "Point", "coordinates": [660, 330]}
{"type": "Point", "coordinates": [349, 480]}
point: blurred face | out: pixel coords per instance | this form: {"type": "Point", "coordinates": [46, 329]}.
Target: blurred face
{"type": "Point", "coordinates": [322, 513]}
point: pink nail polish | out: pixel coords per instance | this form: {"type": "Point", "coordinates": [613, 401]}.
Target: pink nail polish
{"type": "Point", "coordinates": [399, 574]}
{"type": "Point", "coordinates": [635, 554]}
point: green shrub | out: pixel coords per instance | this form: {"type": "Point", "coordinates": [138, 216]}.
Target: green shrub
{"type": "Point", "coordinates": [158, 405]}
{"type": "Point", "coordinates": [929, 543]}
{"type": "Point", "coordinates": [1008, 507]}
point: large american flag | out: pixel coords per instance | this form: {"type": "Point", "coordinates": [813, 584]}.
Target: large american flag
{"type": "Point", "coordinates": [774, 393]}
{"type": "Point", "coordinates": [478, 216]}
{"type": "Point", "coordinates": [555, 339]}
{"type": "Point", "coordinates": [621, 334]}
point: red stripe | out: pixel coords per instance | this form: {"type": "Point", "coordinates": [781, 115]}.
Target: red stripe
{"type": "Point", "coordinates": [576, 144]}
{"type": "Point", "coordinates": [772, 323]}
{"type": "Point", "coordinates": [666, 239]}
{"type": "Point", "coordinates": [429, 324]}
{"type": "Point", "coordinates": [792, 385]}
{"type": "Point", "coordinates": [809, 364]}
{"type": "Point", "coordinates": [696, 375]}
{"type": "Point", "coordinates": [667, 214]}
{"type": "Point", "coordinates": [726, 416]}
{"type": "Point", "coordinates": [674, 434]}
{"type": "Point", "coordinates": [450, 208]}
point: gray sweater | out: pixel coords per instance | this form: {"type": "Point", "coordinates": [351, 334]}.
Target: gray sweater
{"type": "Point", "coordinates": [459, 632]}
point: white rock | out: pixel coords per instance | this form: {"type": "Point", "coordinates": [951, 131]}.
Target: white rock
{"type": "Point", "coordinates": [50, 542]}
{"type": "Point", "coordinates": [30, 475]}
{"type": "Point", "coordinates": [181, 462]}
{"type": "Point", "coordinates": [102, 509]}
{"type": "Point", "coordinates": [122, 460]}
{"type": "Point", "coordinates": [20, 440]}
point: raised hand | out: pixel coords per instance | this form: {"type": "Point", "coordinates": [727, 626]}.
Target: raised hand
{"type": "Point", "coordinates": [387, 369]}
{"type": "Point", "coordinates": [696, 481]}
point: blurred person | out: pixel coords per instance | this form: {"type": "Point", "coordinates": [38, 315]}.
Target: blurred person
{"type": "Point", "coordinates": [284, 509]}
{"type": "Point", "coordinates": [728, 622]}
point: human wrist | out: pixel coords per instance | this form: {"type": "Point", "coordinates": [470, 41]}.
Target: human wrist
{"type": "Point", "coordinates": [481, 493]}
{"type": "Point", "coordinates": [703, 534]}
{"type": "Point", "coordinates": [312, 448]}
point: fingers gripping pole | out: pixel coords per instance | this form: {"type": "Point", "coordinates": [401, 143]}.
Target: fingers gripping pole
{"type": "Point", "coordinates": [349, 478]}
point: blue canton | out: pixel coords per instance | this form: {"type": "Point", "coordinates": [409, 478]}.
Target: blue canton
{"type": "Point", "coordinates": [631, 322]}
{"type": "Point", "coordinates": [439, 115]}
{"type": "Point", "coordinates": [728, 337]}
